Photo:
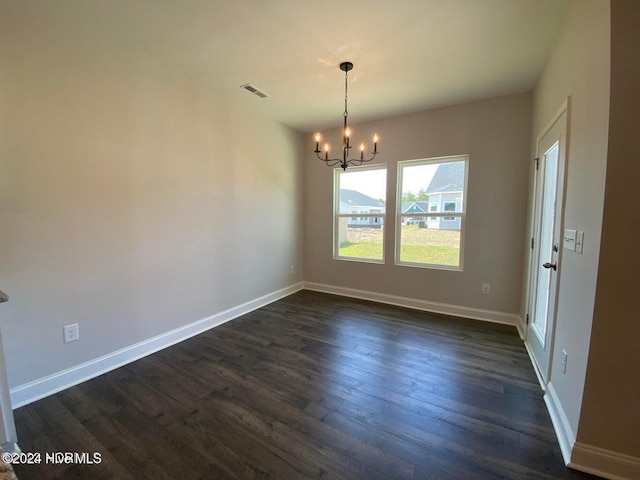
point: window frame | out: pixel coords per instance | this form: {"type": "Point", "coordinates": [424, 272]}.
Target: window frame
{"type": "Point", "coordinates": [337, 215]}
{"type": "Point", "coordinates": [431, 215]}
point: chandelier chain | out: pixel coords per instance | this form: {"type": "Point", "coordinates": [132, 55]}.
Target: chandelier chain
{"type": "Point", "coordinates": [346, 86]}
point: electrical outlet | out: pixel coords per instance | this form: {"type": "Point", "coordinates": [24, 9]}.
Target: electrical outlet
{"type": "Point", "coordinates": [563, 361]}
{"type": "Point", "coordinates": [486, 288]}
{"type": "Point", "coordinates": [71, 333]}
{"type": "Point", "coordinates": [292, 269]}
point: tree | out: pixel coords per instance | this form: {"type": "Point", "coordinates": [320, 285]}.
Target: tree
{"type": "Point", "coordinates": [412, 197]}
{"type": "Point", "coordinates": [408, 197]}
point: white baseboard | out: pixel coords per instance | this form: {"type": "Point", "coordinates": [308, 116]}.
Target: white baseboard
{"type": "Point", "coordinates": [605, 463]}
{"type": "Point", "coordinates": [43, 387]}
{"type": "Point", "coordinates": [522, 327]}
{"type": "Point", "coordinates": [424, 305]}
{"type": "Point", "coordinates": [560, 421]}
{"type": "Point", "coordinates": [583, 457]}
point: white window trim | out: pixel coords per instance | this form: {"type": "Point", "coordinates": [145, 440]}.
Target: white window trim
{"type": "Point", "coordinates": [462, 214]}
{"type": "Point", "coordinates": [337, 215]}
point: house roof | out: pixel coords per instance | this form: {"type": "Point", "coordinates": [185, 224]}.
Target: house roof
{"type": "Point", "coordinates": [448, 178]}
{"type": "Point", "coordinates": [418, 206]}
{"type": "Point", "coordinates": [353, 197]}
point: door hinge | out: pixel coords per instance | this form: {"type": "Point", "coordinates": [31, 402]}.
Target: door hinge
{"type": "Point", "coordinates": [531, 243]}
{"type": "Point", "coordinates": [527, 319]}
{"type": "Point", "coordinates": [537, 160]}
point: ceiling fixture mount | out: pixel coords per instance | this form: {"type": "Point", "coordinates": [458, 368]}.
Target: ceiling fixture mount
{"type": "Point", "coordinates": [345, 161]}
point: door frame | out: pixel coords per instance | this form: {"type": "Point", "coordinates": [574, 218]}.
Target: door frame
{"type": "Point", "coordinates": [8, 437]}
{"type": "Point", "coordinates": [565, 108]}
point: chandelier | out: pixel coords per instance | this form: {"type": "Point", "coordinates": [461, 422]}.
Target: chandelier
{"type": "Point", "coordinates": [345, 161]}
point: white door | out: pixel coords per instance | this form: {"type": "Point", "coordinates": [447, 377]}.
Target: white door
{"type": "Point", "coordinates": [544, 268]}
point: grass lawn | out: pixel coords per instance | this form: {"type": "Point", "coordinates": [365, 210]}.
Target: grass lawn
{"type": "Point", "coordinates": [419, 245]}
{"type": "Point", "coordinates": [361, 250]}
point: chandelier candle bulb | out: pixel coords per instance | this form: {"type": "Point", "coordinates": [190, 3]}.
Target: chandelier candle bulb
{"type": "Point", "coordinates": [362, 151]}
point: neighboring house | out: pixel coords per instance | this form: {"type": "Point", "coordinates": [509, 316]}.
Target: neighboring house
{"type": "Point", "coordinates": [445, 195]}
{"type": "Point", "coordinates": [416, 206]}
{"type": "Point", "coordinates": [354, 202]}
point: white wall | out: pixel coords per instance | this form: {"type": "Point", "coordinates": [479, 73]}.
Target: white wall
{"type": "Point", "coordinates": [610, 416]}
{"type": "Point", "coordinates": [496, 135]}
{"type": "Point", "coordinates": [595, 404]}
{"type": "Point", "coordinates": [133, 199]}
{"type": "Point", "coordinates": [578, 67]}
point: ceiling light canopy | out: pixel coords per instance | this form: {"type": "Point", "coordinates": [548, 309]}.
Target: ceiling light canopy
{"type": "Point", "coordinates": [345, 161]}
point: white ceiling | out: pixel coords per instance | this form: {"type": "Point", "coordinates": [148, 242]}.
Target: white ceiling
{"type": "Point", "coordinates": [409, 55]}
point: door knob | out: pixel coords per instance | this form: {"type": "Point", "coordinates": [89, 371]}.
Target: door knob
{"type": "Point", "coordinates": [550, 265]}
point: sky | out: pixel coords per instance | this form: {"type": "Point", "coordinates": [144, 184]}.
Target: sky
{"type": "Point", "coordinates": [372, 182]}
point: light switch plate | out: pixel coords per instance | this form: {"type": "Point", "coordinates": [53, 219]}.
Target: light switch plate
{"type": "Point", "coordinates": [579, 241]}
{"type": "Point", "coordinates": [569, 242]}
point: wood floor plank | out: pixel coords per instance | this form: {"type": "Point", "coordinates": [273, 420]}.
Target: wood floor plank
{"type": "Point", "coordinates": [309, 431]}
{"type": "Point", "coordinates": [312, 386]}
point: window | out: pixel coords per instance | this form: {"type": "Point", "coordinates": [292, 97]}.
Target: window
{"type": "Point", "coordinates": [360, 190]}
{"type": "Point", "coordinates": [438, 241]}
{"type": "Point", "coordinates": [433, 208]}
{"type": "Point", "coordinates": [449, 207]}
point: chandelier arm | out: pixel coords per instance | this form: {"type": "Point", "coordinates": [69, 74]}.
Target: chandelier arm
{"type": "Point", "coordinates": [329, 161]}
{"type": "Point", "coordinates": [350, 161]}
{"type": "Point", "coordinates": [333, 162]}
{"type": "Point", "coordinates": [359, 161]}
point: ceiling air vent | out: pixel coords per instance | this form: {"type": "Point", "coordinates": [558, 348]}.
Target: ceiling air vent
{"type": "Point", "coordinates": [255, 90]}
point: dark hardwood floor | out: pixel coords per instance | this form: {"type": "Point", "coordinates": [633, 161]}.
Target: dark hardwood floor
{"type": "Point", "coordinates": [311, 386]}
